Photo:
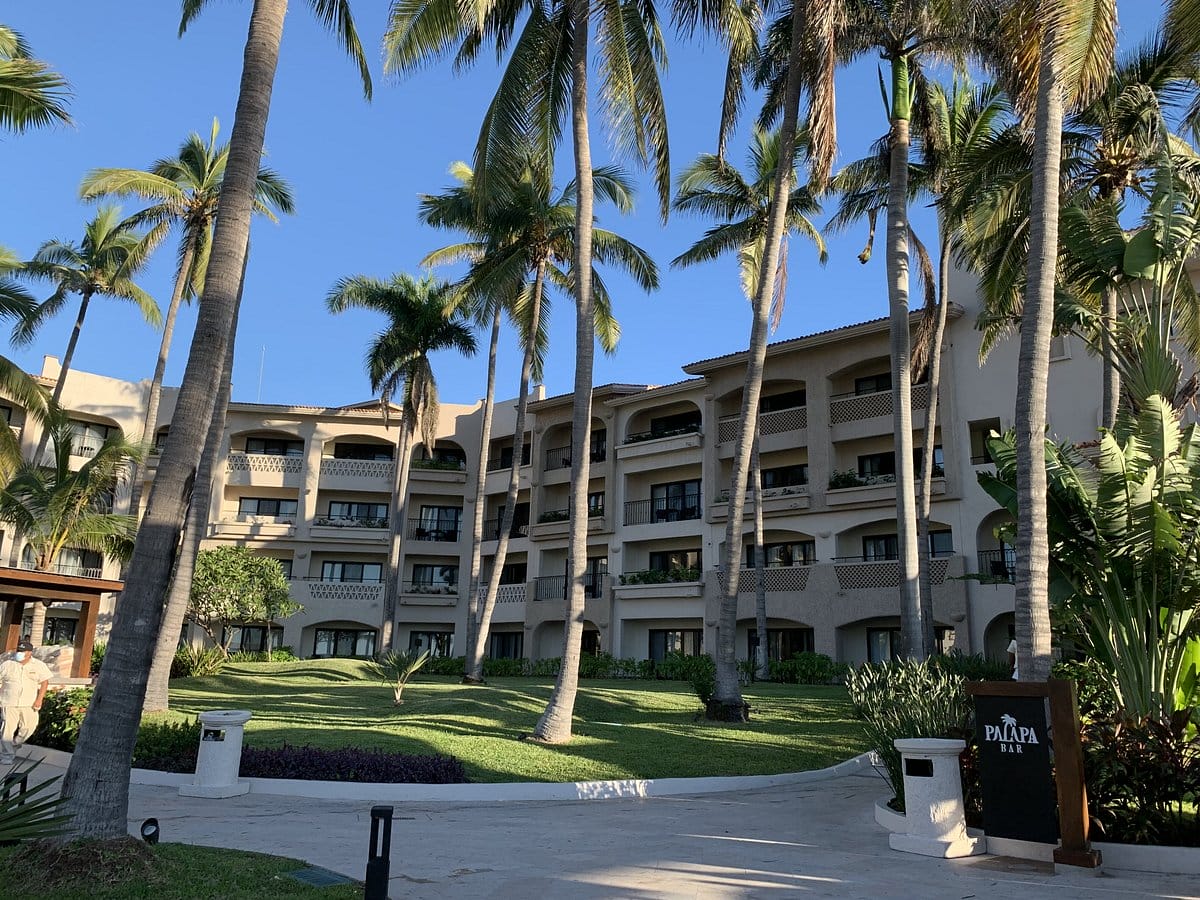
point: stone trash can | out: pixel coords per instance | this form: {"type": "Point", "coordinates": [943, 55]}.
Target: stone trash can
{"type": "Point", "coordinates": [220, 755]}
{"type": "Point", "coordinates": [933, 801]}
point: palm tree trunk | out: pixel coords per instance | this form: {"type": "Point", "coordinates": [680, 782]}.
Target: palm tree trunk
{"type": "Point", "coordinates": [554, 726]}
{"type": "Point", "coordinates": [475, 661]}
{"type": "Point", "coordinates": [56, 397]}
{"type": "Point", "coordinates": [391, 589]}
{"type": "Point", "coordinates": [727, 700]}
{"type": "Point", "coordinates": [37, 623]}
{"type": "Point", "coordinates": [897, 275]}
{"type": "Point", "coordinates": [179, 593]}
{"type": "Point", "coordinates": [761, 667]}
{"type": "Point", "coordinates": [150, 423]}
{"type": "Point", "coordinates": [470, 676]}
{"type": "Point", "coordinates": [1111, 379]}
{"type": "Point", "coordinates": [97, 782]}
{"type": "Point", "coordinates": [925, 490]}
{"type": "Point", "coordinates": [1032, 602]}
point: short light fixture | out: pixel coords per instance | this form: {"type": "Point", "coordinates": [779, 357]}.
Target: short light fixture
{"type": "Point", "coordinates": [149, 831]}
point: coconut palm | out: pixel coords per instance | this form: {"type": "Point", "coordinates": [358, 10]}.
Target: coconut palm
{"type": "Point", "coordinates": [32, 95]}
{"type": "Point", "coordinates": [545, 79]}
{"type": "Point", "coordinates": [18, 304]}
{"type": "Point", "coordinates": [526, 231]}
{"type": "Point", "coordinates": [184, 190]}
{"type": "Point", "coordinates": [418, 324]}
{"type": "Point", "coordinates": [103, 264]}
{"type": "Point", "coordinates": [710, 186]}
{"type": "Point", "coordinates": [106, 740]}
{"type": "Point", "coordinates": [53, 507]}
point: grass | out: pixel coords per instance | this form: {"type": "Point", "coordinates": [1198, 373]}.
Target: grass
{"type": "Point", "coordinates": [127, 870]}
{"type": "Point", "coordinates": [623, 729]}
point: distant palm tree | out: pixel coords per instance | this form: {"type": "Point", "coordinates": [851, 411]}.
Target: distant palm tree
{"type": "Point", "coordinates": [54, 507]}
{"type": "Point", "coordinates": [398, 363]}
{"type": "Point", "coordinates": [16, 303]}
{"type": "Point", "coordinates": [184, 190]}
{"type": "Point", "coordinates": [103, 264]}
{"type": "Point", "coordinates": [32, 95]}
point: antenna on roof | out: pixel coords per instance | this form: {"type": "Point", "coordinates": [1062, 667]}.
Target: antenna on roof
{"type": "Point", "coordinates": [262, 361]}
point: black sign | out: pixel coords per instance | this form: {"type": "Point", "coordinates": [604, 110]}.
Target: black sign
{"type": "Point", "coordinates": [1019, 799]}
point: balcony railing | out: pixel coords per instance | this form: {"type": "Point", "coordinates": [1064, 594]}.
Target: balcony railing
{"type": "Point", "coordinates": [854, 407]}
{"type": "Point", "coordinates": [426, 587]}
{"type": "Point", "coordinates": [641, 436]}
{"type": "Point", "coordinates": [350, 522]}
{"type": "Point", "coordinates": [427, 530]}
{"type": "Point", "coordinates": [564, 515]}
{"type": "Point", "coordinates": [498, 463]}
{"type": "Point", "coordinates": [662, 509]}
{"type": "Point", "coordinates": [776, 579]}
{"type": "Point", "coordinates": [554, 587]}
{"type": "Point", "coordinates": [560, 457]}
{"type": "Point", "coordinates": [999, 565]}
{"type": "Point", "coordinates": [491, 530]}
{"type": "Point", "coordinates": [358, 468]}
{"type": "Point", "coordinates": [851, 479]}
{"type": "Point", "coordinates": [264, 462]}
{"type": "Point", "coordinates": [777, 421]}
{"type": "Point", "coordinates": [351, 591]}
{"type": "Point", "coordinates": [511, 593]}
{"type": "Point", "coordinates": [68, 569]}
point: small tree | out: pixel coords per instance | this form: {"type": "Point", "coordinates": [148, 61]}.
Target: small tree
{"type": "Point", "coordinates": [231, 586]}
{"type": "Point", "coordinates": [396, 667]}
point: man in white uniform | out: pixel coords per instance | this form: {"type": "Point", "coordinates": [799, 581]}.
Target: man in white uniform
{"type": "Point", "coordinates": [23, 683]}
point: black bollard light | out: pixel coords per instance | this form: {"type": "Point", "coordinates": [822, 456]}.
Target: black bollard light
{"type": "Point", "coordinates": [379, 856]}
{"type": "Point", "coordinates": [149, 831]}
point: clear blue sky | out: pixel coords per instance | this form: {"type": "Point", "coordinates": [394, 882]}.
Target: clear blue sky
{"type": "Point", "coordinates": [357, 170]}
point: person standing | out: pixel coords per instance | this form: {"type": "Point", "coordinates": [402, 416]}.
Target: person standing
{"type": "Point", "coordinates": [23, 683]}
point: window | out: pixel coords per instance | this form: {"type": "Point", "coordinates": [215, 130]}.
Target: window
{"type": "Point", "coordinates": [941, 543]}
{"type": "Point", "coordinates": [596, 504]}
{"type": "Point", "coordinates": [514, 573]}
{"type": "Point", "coordinates": [593, 578]}
{"type": "Point", "coordinates": [344, 642]}
{"type": "Point", "coordinates": [252, 638]}
{"type": "Point", "coordinates": [679, 423]}
{"type": "Point", "coordinates": [599, 442]}
{"type": "Point", "coordinates": [506, 645]}
{"type": "Point", "coordinates": [786, 400]}
{"type": "Point", "coordinates": [59, 631]}
{"type": "Point", "coordinates": [782, 643]}
{"type": "Point", "coordinates": [88, 437]}
{"type": "Point", "coordinates": [791, 553]}
{"type": "Point", "coordinates": [362, 451]}
{"type": "Point", "coordinates": [266, 506]}
{"type": "Point", "coordinates": [873, 384]}
{"type": "Point", "coordinates": [448, 456]}
{"type": "Point", "coordinates": [666, 560]}
{"type": "Point", "coordinates": [440, 523]}
{"type": "Point", "coordinates": [438, 643]}
{"type": "Point", "coordinates": [939, 461]}
{"type": "Point", "coordinates": [883, 644]}
{"type": "Point", "coordinates": [785, 476]}
{"type": "Point", "coordinates": [1059, 348]}
{"type": "Point", "coordinates": [877, 465]}
{"type": "Point", "coordinates": [160, 440]}
{"type": "Point", "coordinates": [506, 455]}
{"type": "Point", "coordinates": [980, 431]}
{"type": "Point", "coordinates": [339, 509]}
{"type": "Point", "coordinates": [274, 447]}
{"type": "Point", "coordinates": [590, 643]}
{"type": "Point", "coordinates": [675, 500]}
{"type": "Point", "coordinates": [431, 574]}
{"type": "Point", "coordinates": [356, 572]}
{"type": "Point", "coordinates": [880, 547]}
{"type": "Point", "coordinates": [73, 561]}
{"type": "Point", "coordinates": [688, 641]}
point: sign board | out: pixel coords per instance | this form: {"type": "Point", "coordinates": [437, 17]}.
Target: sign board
{"type": "Point", "coordinates": [1019, 798]}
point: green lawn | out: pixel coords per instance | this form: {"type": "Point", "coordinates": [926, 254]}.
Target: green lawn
{"type": "Point", "coordinates": [623, 729]}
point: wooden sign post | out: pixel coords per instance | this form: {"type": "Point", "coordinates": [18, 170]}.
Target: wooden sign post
{"type": "Point", "coordinates": [1022, 781]}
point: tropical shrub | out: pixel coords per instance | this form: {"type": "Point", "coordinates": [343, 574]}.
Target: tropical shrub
{"type": "Point", "coordinates": [972, 666]}
{"type": "Point", "coordinates": [197, 662]}
{"type": "Point", "coordinates": [807, 667]}
{"type": "Point", "coordinates": [698, 671]}
{"type": "Point", "coordinates": [504, 668]}
{"type": "Point", "coordinates": [350, 764]}
{"type": "Point", "coordinates": [279, 654]}
{"type": "Point", "coordinates": [662, 576]}
{"type": "Point", "coordinates": [60, 717]}
{"type": "Point", "coordinates": [98, 651]}
{"type": "Point", "coordinates": [396, 667]}
{"type": "Point", "coordinates": [167, 746]}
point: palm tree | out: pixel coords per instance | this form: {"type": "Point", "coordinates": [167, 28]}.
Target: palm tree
{"type": "Point", "coordinates": [545, 78]}
{"type": "Point", "coordinates": [418, 323]}
{"type": "Point", "coordinates": [101, 758]}
{"type": "Point", "coordinates": [103, 264]}
{"type": "Point", "coordinates": [53, 507]}
{"type": "Point", "coordinates": [184, 190]}
{"type": "Point", "coordinates": [18, 304]}
{"type": "Point", "coordinates": [525, 231]}
{"type": "Point", "coordinates": [32, 95]}
{"type": "Point", "coordinates": [710, 186]}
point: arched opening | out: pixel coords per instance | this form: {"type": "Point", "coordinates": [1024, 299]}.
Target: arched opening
{"type": "Point", "coordinates": [667, 420]}
{"type": "Point", "coordinates": [343, 638]}
{"type": "Point", "coordinates": [358, 446]}
{"type": "Point", "coordinates": [267, 442]}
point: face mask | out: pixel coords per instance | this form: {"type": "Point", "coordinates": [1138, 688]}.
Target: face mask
{"type": "Point", "coordinates": [21, 657]}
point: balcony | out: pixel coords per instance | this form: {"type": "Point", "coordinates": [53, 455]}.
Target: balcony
{"type": "Point", "coordinates": [264, 470]}
{"type": "Point", "coordinates": [780, 421]}
{"type": "Point", "coordinates": [362, 592]}
{"type": "Point", "coordinates": [554, 587]}
{"type": "Point", "coordinates": [511, 593]}
{"type": "Point", "coordinates": [775, 501]}
{"type": "Point", "coordinates": [446, 531]}
{"type": "Point", "coordinates": [861, 415]}
{"type": "Point", "coordinates": [652, 443]}
{"type": "Point", "coordinates": [352, 528]}
{"type": "Point", "coordinates": [998, 566]}
{"type": "Point", "coordinates": [448, 471]}
{"type": "Point", "coordinates": [776, 579]}
{"type": "Point", "coordinates": [67, 569]}
{"type": "Point", "coordinates": [424, 593]}
{"type": "Point", "coordinates": [558, 460]}
{"type": "Point", "coordinates": [557, 523]}
{"type": "Point", "coordinates": [661, 509]}
{"type": "Point", "coordinates": [847, 488]}
{"type": "Point", "coordinates": [491, 530]}
{"type": "Point", "coordinates": [376, 475]}
{"type": "Point", "coordinates": [245, 525]}
{"type": "Point", "coordinates": [860, 572]}
{"type": "Point", "coordinates": [648, 584]}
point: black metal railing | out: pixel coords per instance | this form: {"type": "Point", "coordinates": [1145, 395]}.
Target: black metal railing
{"type": "Point", "coordinates": [564, 515]}
{"type": "Point", "coordinates": [999, 565]}
{"type": "Point", "coordinates": [662, 509]}
{"type": "Point", "coordinates": [558, 458]}
{"type": "Point", "coordinates": [554, 587]}
{"type": "Point", "coordinates": [491, 530]}
{"type": "Point", "coordinates": [433, 530]}
{"type": "Point", "coordinates": [654, 433]}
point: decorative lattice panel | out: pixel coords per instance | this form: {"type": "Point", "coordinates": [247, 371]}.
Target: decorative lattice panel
{"type": "Point", "coordinates": [511, 593]}
{"type": "Point", "coordinates": [870, 406]}
{"type": "Point", "coordinates": [867, 575]}
{"type": "Point", "coordinates": [358, 468]}
{"type": "Point", "coordinates": [336, 590]}
{"type": "Point", "coordinates": [261, 462]}
{"type": "Point", "coordinates": [777, 579]}
{"type": "Point", "coordinates": [727, 429]}
{"type": "Point", "coordinates": [783, 420]}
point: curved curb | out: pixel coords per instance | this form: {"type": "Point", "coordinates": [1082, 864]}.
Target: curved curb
{"type": "Point", "coordinates": [495, 793]}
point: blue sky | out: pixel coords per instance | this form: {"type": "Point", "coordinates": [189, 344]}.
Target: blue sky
{"type": "Point", "coordinates": [357, 170]}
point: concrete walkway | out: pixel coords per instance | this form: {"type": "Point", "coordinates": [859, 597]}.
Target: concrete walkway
{"type": "Point", "coordinates": [810, 839]}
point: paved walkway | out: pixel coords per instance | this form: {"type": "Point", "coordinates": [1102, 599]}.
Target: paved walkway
{"type": "Point", "coordinates": [813, 840]}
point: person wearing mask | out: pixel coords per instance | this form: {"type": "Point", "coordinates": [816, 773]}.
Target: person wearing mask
{"type": "Point", "coordinates": [23, 683]}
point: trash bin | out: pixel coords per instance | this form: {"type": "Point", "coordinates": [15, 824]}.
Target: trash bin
{"type": "Point", "coordinates": [220, 755]}
{"type": "Point", "coordinates": [933, 803]}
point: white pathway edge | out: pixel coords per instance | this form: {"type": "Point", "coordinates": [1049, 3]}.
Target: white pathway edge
{"type": "Point", "coordinates": [515, 791]}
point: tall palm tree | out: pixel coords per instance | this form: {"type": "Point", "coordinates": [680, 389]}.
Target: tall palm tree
{"type": "Point", "coordinates": [18, 304]}
{"type": "Point", "coordinates": [54, 507]}
{"type": "Point", "coordinates": [545, 78]}
{"type": "Point", "coordinates": [525, 231]}
{"type": "Point", "coordinates": [184, 190]}
{"type": "Point", "coordinates": [103, 264]}
{"type": "Point", "coordinates": [97, 784]}
{"type": "Point", "coordinates": [418, 324]}
{"type": "Point", "coordinates": [709, 186]}
{"type": "Point", "coordinates": [32, 95]}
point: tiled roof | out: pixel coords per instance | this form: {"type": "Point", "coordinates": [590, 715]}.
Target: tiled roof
{"type": "Point", "coordinates": [613, 387]}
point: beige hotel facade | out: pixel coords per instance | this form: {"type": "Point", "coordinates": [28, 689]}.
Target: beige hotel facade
{"type": "Point", "coordinates": [311, 487]}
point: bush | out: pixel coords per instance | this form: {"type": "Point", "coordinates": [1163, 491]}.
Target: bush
{"type": "Point", "coordinates": [910, 699]}
{"type": "Point", "coordinates": [972, 666]}
{"type": "Point", "coordinates": [61, 715]}
{"type": "Point", "coordinates": [698, 671]}
{"type": "Point", "coordinates": [350, 764]}
{"type": "Point", "coordinates": [98, 651]}
{"type": "Point", "coordinates": [197, 662]}
{"type": "Point", "coordinates": [167, 746]}
{"type": "Point", "coordinates": [446, 665]}
{"type": "Point", "coordinates": [504, 668]}
{"type": "Point", "coordinates": [279, 654]}
{"type": "Point", "coordinates": [807, 667]}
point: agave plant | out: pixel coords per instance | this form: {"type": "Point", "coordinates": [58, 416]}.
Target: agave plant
{"type": "Point", "coordinates": [31, 814]}
{"type": "Point", "coordinates": [396, 667]}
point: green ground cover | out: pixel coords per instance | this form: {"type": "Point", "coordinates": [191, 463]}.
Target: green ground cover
{"type": "Point", "coordinates": [624, 729]}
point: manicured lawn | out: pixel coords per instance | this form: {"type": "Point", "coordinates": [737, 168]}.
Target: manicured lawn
{"type": "Point", "coordinates": [624, 729]}
{"type": "Point", "coordinates": [173, 872]}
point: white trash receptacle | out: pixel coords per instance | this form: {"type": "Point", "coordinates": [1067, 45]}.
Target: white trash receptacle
{"type": "Point", "coordinates": [933, 802]}
{"type": "Point", "coordinates": [220, 755]}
